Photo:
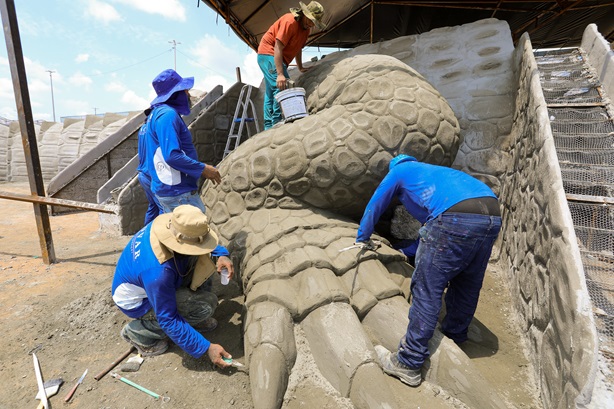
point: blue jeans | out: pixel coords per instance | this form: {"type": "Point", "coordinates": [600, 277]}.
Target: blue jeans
{"type": "Point", "coordinates": [193, 306]}
{"type": "Point", "coordinates": [153, 207]}
{"type": "Point", "coordinates": [272, 110]}
{"type": "Point", "coordinates": [453, 252]}
{"type": "Point", "coordinates": [168, 203]}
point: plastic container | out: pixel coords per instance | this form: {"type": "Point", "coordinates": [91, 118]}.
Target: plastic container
{"type": "Point", "coordinates": [224, 276]}
{"type": "Point", "coordinates": [292, 103]}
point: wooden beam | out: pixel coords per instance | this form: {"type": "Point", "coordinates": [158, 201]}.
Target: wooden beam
{"type": "Point", "coordinates": [26, 125]}
{"type": "Point", "coordinates": [52, 201]}
{"type": "Point", "coordinates": [315, 37]}
{"type": "Point", "coordinates": [496, 9]}
{"type": "Point", "coordinates": [371, 30]}
{"type": "Point", "coordinates": [589, 199]}
{"type": "Point", "coordinates": [546, 21]}
{"type": "Point", "coordinates": [256, 11]}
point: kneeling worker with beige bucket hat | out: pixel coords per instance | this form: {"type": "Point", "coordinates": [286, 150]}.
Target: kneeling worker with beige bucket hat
{"type": "Point", "coordinates": [158, 282]}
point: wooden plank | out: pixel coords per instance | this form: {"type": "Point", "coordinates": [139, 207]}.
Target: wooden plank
{"type": "Point", "coordinates": [58, 202]}
{"type": "Point", "coordinates": [590, 199]}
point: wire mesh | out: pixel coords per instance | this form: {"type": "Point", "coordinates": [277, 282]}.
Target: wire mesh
{"type": "Point", "coordinates": [594, 226]}
{"type": "Point", "coordinates": [584, 141]}
{"type": "Point", "coordinates": [566, 78]}
{"type": "Point", "coordinates": [580, 156]}
{"type": "Point", "coordinates": [579, 115]}
{"type": "Point", "coordinates": [596, 128]}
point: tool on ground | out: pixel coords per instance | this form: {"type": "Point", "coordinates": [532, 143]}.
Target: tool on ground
{"type": "Point", "coordinates": [39, 380]}
{"type": "Point", "coordinates": [74, 388]}
{"type": "Point", "coordinates": [133, 364]}
{"type": "Point", "coordinates": [232, 362]}
{"type": "Point", "coordinates": [371, 245]}
{"type": "Point", "coordinates": [139, 387]}
{"type": "Point", "coordinates": [114, 364]}
{"type": "Point", "coordinates": [51, 388]}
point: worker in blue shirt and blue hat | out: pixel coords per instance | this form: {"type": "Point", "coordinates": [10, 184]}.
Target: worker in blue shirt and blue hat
{"type": "Point", "coordinates": [461, 221]}
{"type": "Point", "coordinates": [169, 158]}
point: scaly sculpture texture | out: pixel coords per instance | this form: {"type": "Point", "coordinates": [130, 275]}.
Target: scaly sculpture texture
{"type": "Point", "coordinates": [289, 201]}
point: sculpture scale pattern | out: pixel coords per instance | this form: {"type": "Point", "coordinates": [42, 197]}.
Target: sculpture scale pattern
{"type": "Point", "coordinates": [289, 201]}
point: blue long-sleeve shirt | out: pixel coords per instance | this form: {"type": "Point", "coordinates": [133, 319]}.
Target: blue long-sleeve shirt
{"type": "Point", "coordinates": [141, 283]}
{"type": "Point", "coordinates": [171, 159]}
{"type": "Point", "coordinates": [425, 190]}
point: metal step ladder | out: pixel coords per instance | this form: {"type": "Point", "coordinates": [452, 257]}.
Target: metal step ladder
{"type": "Point", "coordinates": [244, 105]}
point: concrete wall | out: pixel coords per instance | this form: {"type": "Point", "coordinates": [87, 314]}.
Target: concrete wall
{"type": "Point", "coordinates": [82, 178]}
{"type": "Point", "coordinates": [4, 153]}
{"type": "Point", "coordinates": [471, 66]}
{"type": "Point", "coordinates": [600, 56]}
{"type": "Point", "coordinates": [59, 144]}
{"type": "Point", "coordinates": [538, 246]}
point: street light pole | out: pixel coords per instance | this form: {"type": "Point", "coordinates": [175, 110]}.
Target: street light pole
{"type": "Point", "coordinates": [174, 43]}
{"type": "Point", "coordinates": [52, 101]}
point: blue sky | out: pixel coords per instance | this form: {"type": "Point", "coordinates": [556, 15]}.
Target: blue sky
{"type": "Point", "coordinates": [106, 52]}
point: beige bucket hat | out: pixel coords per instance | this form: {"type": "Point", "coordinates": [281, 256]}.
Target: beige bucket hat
{"type": "Point", "coordinates": [313, 11]}
{"type": "Point", "coordinates": [185, 231]}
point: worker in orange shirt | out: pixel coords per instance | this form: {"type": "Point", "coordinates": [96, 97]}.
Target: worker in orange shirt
{"type": "Point", "coordinates": [283, 42]}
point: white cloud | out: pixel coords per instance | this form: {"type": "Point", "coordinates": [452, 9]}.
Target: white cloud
{"type": "Point", "coordinates": [171, 9]}
{"type": "Point", "coordinates": [82, 58]}
{"type": "Point", "coordinates": [101, 11]}
{"type": "Point", "coordinates": [75, 107]}
{"type": "Point", "coordinates": [217, 58]}
{"type": "Point", "coordinates": [46, 116]}
{"type": "Point", "coordinates": [6, 89]}
{"type": "Point", "coordinates": [133, 101]}
{"type": "Point", "coordinates": [80, 80]}
{"type": "Point", "coordinates": [8, 112]}
{"type": "Point", "coordinates": [250, 71]}
{"type": "Point", "coordinates": [207, 83]}
{"type": "Point", "coordinates": [115, 86]}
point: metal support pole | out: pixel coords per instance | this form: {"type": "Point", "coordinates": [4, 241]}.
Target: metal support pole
{"type": "Point", "coordinates": [52, 100]}
{"type": "Point", "coordinates": [26, 125]}
{"type": "Point", "coordinates": [174, 43]}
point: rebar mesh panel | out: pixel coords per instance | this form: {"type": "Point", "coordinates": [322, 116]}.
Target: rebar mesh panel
{"type": "Point", "coordinates": [585, 115]}
{"type": "Point", "coordinates": [594, 226]}
{"type": "Point", "coordinates": [594, 157]}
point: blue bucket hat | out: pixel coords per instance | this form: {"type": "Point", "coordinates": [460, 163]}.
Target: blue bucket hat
{"type": "Point", "coordinates": [167, 83]}
{"type": "Point", "coordinates": [399, 159]}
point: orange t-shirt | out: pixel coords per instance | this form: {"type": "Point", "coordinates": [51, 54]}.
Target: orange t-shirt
{"type": "Point", "coordinates": [289, 32]}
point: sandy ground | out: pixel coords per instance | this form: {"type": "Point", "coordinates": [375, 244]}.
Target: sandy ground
{"type": "Point", "coordinates": [65, 314]}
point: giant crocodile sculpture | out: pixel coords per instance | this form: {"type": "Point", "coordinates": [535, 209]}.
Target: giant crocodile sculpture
{"type": "Point", "coordinates": [289, 201]}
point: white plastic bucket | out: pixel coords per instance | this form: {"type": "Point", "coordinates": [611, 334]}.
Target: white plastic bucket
{"type": "Point", "coordinates": [292, 102]}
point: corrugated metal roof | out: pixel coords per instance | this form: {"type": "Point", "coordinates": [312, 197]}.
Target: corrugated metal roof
{"type": "Point", "coordinates": [555, 23]}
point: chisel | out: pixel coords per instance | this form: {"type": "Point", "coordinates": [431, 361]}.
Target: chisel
{"type": "Point", "coordinates": [74, 388]}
